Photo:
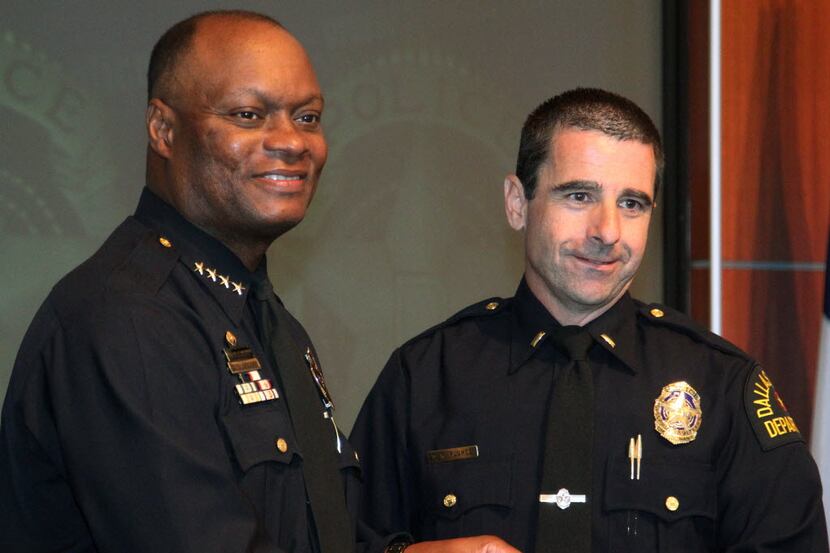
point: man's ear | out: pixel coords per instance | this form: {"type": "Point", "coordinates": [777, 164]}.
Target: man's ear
{"type": "Point", "coordinates": [515, 203]}
{"type": "Point", "coordinates": [160, 119]}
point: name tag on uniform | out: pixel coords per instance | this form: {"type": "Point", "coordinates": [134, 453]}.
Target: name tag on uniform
{"type": "Point", "coordinates": [241, 360]}
{"type": "Point", "coordinates": [452, 454]}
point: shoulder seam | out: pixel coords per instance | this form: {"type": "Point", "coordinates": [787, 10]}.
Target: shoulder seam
{"type": "Point", "coordinates": [671, 318]}
{"type": "Point", "coordinates": [150, 281]}
{"type": "Point", "coordinates": [484, 308]}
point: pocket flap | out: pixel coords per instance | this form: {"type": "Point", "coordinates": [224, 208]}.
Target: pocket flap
{"type": "Point", "coordinates": [454, 488]}
{"type": "Point", "coordinates": [668, 489]}
{"type": "Point", "coordinates": [260, 435]}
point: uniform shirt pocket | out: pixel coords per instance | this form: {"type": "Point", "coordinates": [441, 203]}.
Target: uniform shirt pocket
{"type": "Point", "coordinates": [260, 435]}
{"type": "Point", "coordinates": [466, 498]}
{"type": "Point", "coordinates": [672, 507]}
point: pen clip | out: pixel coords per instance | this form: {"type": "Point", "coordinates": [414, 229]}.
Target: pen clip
{"type": "Point", "coordinates": [635, 456]}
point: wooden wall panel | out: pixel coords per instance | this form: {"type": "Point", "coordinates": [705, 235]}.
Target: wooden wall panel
{"type": "Point", "coordinates": [776, 129]}
{"type": "Point", "coordinates": [776, 186]}
{"type": "Point", "coordinates": [774, 315]}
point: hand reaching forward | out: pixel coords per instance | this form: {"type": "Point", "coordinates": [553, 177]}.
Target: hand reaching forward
{"type": "Point", "coordinates": [475, 544]}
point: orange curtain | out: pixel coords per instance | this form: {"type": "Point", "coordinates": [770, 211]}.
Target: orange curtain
{"type": "Point", "coordinates": [776, 188]}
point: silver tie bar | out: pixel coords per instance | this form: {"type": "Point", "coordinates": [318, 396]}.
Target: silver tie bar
{"type": "Point", "coordinates": [563, 498]}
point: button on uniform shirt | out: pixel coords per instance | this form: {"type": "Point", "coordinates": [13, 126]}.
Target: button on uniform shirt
{"type": "Point", "coordinates": [451, 436]}
{"type": "Point", "coordinates": [122, 430]}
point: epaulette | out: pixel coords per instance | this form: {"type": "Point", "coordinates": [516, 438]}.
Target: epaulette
{"type": "Point", "coordinates": [666, 316]}
{"type": "Point", "coordinates": [147, 267]}
{"type": "Point", "coordinates": [484, 308]}
{"type": "Point", "coordinates": [123, 263]}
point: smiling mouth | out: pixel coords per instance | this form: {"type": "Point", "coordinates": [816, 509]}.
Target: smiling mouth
{"type": "Point", "coordinates": [597, 262]}
{"type": "Point", "coordinates": [280, 178]}
{"type": "Point", "coordinates": [283, 182]}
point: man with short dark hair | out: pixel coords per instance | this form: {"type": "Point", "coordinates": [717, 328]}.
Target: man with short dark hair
{"type": "Point", "coordinates": [163, 399]}
{"type": "Point", "coordinates": [571, 417]}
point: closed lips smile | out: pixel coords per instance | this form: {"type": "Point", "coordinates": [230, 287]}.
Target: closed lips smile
{"type": "Point", "coordinates": [596, 262]}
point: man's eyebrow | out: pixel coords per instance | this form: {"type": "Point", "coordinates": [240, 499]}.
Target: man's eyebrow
{"type": "Point", "coordinates": [637, 194]}
{"type": "Point", "coordinates": [576, 186]}
{"type": "Point", "coordinates": [263, 97]}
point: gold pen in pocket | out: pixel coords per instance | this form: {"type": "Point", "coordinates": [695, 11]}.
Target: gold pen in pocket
{"type": "Point", "coordinates": [635, 457]}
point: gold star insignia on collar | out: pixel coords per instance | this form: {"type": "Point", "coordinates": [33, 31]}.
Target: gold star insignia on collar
{"type": "Point", "coordinates": [213, 274]}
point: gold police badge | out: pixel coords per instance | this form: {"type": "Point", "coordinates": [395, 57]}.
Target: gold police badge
{"type": "Point", "coordinates": [677, 413]}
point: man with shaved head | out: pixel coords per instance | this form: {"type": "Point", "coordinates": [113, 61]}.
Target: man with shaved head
{"type": "Point", "coordinates": [163, 399]}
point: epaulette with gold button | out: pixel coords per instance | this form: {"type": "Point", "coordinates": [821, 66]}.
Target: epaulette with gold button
{"type": "Point", "coordinates": [148, 265]}
{"type": "Point", "coordinates": [484, 308]}
{"type": "Point", "coordinates": [666, 316]}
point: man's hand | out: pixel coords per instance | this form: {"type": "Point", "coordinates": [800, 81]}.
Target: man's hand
{"type": "Point", "coordinates": [475, 544]}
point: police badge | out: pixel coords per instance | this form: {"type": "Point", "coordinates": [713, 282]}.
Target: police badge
{"type": "Point", "coordinates": [677, 413]}
{"type": "Point", "coordinates": [317, 374]}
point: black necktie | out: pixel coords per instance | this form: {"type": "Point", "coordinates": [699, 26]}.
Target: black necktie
{"type": "Point", "coordinates": [316, 434]}
{"type": "Point", "coordinates": [566, 497]}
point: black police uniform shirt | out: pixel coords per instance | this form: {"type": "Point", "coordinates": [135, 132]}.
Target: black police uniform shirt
{"type": "Point", "coordinates": [451, 436]}
{"type": "Point", "coordinates": [122, 429]}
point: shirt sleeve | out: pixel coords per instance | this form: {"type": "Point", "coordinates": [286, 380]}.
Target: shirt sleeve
{"type": "Point", "coordinates": [770, 491]}
{"type": "Point", "coordinates": [380, 437]}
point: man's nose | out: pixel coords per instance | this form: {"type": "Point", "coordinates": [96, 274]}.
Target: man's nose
{"type": "Point", "coordinates": [284, 137]}
{"type": "Point", "coordinates": [605, 224]}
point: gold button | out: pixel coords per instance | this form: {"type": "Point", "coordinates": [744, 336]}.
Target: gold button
{"type": "Point", "coordinates": [608, 340]}
{"type": "Point", "coordinates": [672, 504]}
{"type": "Point", "coordinates": [450, 500]}
{"type": "Point", "coordinates": [492, 305]}
{"type": "Point", "coordinates": [165, 242]}
{"type": "Point", "coordinates": [282, 445]}
{"type": "Point", "coordinates": [230, 338]}
{"type": "Point", "coordinates": [657, 312]}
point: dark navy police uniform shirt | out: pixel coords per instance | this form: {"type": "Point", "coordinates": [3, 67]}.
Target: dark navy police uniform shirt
{"type": "Point", "coordinates": [451, 436]}
{"type": "Point", "coordinates": [122, 430]}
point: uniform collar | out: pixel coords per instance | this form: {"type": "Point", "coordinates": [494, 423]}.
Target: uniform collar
{"type": "Point", "coordinates": [615, 330]}
{"type": "Point", "coordinates": [531, 323]}
{"type": "Point", "coordinates": [210, 262]}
